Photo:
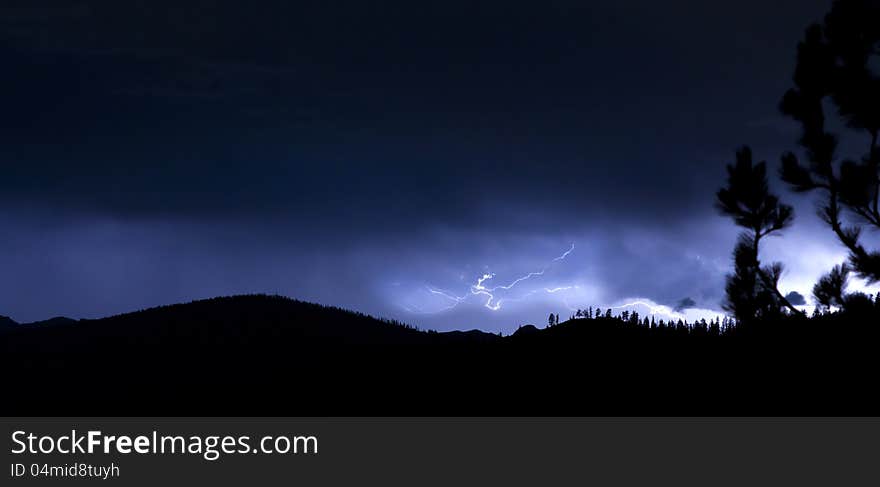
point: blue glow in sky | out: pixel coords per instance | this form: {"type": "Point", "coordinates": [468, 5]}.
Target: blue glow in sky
{"type": "Point", "coordinates": [455, 165]}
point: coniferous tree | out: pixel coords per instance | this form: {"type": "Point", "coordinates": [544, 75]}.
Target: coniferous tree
{"type": "Point", "coordinates": [834, 64]}
{"type": "Point", "coordinates": [752, 290]}
{"type": "Point", "coordinates": [831, 288]}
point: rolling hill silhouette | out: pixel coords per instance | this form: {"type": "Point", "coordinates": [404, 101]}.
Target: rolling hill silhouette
{"type": "Point", "coordinates": [7, 323]}
{"type": "Point", "coordinates": [269, 355]}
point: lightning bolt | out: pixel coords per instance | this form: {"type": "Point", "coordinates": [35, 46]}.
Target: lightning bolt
{"type": "Point", "coordinates": [479, 288]}
{"type": "Point", "coordinates": [492, 301]}
{"type": "Point", "coordinates": [563, 256]}
{"type": "Point", "coordinates": [557, 289]}
{"type": "Point", "coordinates": [455, 299]}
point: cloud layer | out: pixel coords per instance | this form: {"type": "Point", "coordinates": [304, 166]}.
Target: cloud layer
{"type": "Point", "coordinates": [362, 156]}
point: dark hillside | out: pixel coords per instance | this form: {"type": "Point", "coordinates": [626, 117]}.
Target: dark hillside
{"type": "Point", "coordinates": [265, 355]}
{"type": "Point", "coordinates": [6, 324]}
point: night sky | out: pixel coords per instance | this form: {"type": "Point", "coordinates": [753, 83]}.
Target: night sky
{"type": "Point", "coordinates": [384, 156]}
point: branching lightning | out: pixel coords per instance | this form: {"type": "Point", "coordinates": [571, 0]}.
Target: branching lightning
{"type": "Point", "coordinates": [455, 299]}
{"type": "Point", "coordinates": [493, 302]}
{"type": "Point", "coordinates": [493, 297]}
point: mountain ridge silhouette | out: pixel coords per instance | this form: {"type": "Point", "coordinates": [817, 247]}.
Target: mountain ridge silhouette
{"type": "Point", "coordinates": [258, 304]}
{"type": "Point", "coordinates": [7, 323]}
{"type": "Point", "coordinates": [271, 355]}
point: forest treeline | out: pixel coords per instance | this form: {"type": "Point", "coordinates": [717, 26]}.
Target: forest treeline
{"type": "Point", "coordinates": [858, 305]}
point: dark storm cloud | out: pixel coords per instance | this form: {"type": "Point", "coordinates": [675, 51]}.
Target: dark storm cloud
{"type": "Point", "coordinates": [328, 150]}
{"type": "Point", "coordinates": [489, 101]}
{"type": "Point", "coordinates": [796, 298]}
{"type": "Point", "coordinates": [685, 303]}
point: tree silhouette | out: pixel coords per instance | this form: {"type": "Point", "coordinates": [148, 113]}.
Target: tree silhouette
{"type": "Point", "coordinates": [834, 63]}
{"type": "Point", "coordinates": [831, 288]}
{"type": "Point", "coordinates": [752, 289]}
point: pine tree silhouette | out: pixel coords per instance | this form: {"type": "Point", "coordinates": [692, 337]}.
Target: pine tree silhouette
{"type": "Point", "coordinates": [831, 288]}
{"type": "Point", "coordinates": [834, 64]}
{"type": "Point", "coordinates": [752, 289]}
